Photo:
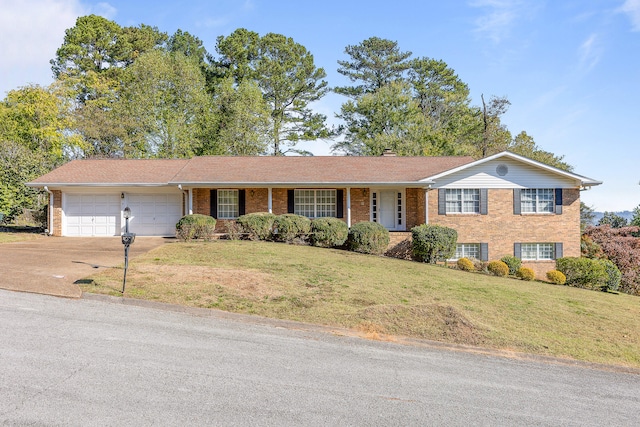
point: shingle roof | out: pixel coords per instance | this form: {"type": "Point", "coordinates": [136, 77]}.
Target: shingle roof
{"type": "Point", "coordinates": [250, 170]}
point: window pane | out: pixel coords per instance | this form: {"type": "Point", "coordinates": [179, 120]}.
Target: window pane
{"type": "Point", "coordinates": [471, 200]}
{"type": "Point", "coordinates": [453, 200]}
{"type": "Point", "coordinates": [462, 200]}
{"type": "Point", "coordinates": [537, 200]}
{"type": "Point", "coordinates": [528, 198]}
{"type": "Point", "coordinates": [545, 251]}
{"type": "Point", "coordinates": [537, 251]}
{"type": "Point", "coordinates": [529, 251]}
{"type": "Point", "coordinates": [545, 200]}
{"type": "Point", "coordinates": [467, 250]}
{"type": "Point", "coordinates": [227, 204]}
{"type": "Point", "coordinates": [315, 203]}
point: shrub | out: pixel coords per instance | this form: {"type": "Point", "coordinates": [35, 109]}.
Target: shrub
{"type": "Point", "coordinates": [432, 243]}
{"type": "Point", "coordinates": [513, 263]}
{"type": "Point", "coordinates": [196, 226]}
{"type": "Point", "coordinates": [259, 225]}
{"type": "Point", "coordinates": [368, 238]}
{"type": "Point", "coordinates": [498, 268]}
{"type": "Point", "coordinates": [328, 232]}
{"type": "Point", "coordinates": [465, 264]}
{"type": "Point", "coordinates": [556, 277]}
{"type": "Point", "coordinates": [583, 272]}
{"type": "Point", "coordinates": [525, 273]}
{"type": "Point", "coordinates": [479, 265]}
{"type": "Point", "coordinates": [613, 273]}
{"type": "Point", "coordinates": [233, 230]}
{"type": "Point", "coordinates": [288, 227]}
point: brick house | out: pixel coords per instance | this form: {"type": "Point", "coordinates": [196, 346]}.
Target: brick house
{"type": "Point", "coordinates": [504, 204]}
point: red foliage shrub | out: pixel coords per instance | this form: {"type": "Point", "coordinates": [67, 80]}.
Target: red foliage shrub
{"type": "Point", "coordinates": [623, 248]}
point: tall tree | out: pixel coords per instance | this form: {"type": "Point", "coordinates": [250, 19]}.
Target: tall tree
{"type": "Point", "coordinates": [613, 220]}
{"type": "Point", "coordinates": [494, 136]}
{"type": "Point", "coordinates": [288, 78]}
{"type": "Point", "coordinates": [373, 63]}
{"type": "Point", "coordinates": [524, 145]}
{"type": "Point", "coordinates": [587, 216]}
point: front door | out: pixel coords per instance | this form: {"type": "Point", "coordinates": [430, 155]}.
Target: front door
{"type": "Point", "coordinates": [387, 209]}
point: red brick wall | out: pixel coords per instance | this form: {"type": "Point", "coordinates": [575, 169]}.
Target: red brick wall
{"type": "Point", "coordinates": [57, 213]}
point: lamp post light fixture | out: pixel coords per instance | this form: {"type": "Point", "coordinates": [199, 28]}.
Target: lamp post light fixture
{"type": "Point", "coordinates": [127, 239]}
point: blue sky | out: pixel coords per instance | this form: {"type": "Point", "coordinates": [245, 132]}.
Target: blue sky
{"type": "Point", "coordinates": [571, 68]}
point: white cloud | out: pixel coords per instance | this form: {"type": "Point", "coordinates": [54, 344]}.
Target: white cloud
{"type": "Point", "coordinates": [590, 52]}
{"type": "Point", "coordinates": [105, 10]}
{"type": "Point", "coordinates": [500, 18]}
{"type": "Point", "coordinates": [632, 9]}
{"type": "Point", "coordinates": [30, 33]}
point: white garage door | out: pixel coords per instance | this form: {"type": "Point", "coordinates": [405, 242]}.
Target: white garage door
{"type": "Point", "coordinates": [92, 215]}
{"type": "Point", "coordinates": [154, 214]}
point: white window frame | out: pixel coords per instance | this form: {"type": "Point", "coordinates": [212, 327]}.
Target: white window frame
{"type": "Point", "coordinates": [462, 200]}
{"type": "Point", "coordinates": [537, 251]}
{"type": "Point", "coordinates": [315, 203]}
{"type": "Point", "coordinates": [463, 249]}
{"type": "Point", "coordinates": [537, 201]}
{"type": "Point", "coordinates": [228, 204]}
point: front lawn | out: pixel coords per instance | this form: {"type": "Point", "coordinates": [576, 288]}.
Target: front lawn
{"type": "Point", "coordinates": [386, 296]}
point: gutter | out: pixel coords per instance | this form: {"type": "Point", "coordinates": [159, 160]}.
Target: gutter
{"type": "Point", "coordinates": [50, 210]}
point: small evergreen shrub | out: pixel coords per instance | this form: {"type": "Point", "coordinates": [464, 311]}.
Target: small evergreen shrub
{"type": "Point", "coordinates": [233, 230]}
{"type": "Point", "coordinates": [584, 273]}
{"type": "Point", "coordinates": [465, 264]}
{"type": "Point", "coordinates": [432, 243]}
{"type": "Point", "coordinates": [259, 225]}
{"type": "Point", "coordinates": [328, 232]}
{"type": "Point", "coordinates": [613, 273]}
{"type": "Point", "coordinates": [196, 226]}
{"type": "Point", "coordinates": [556, 277]}
{"type": "Point", "coordinates": [288, 227]}
{"type": "Point", "coordinates": [479, 265]}
{"type": "Point", "coordinates": [368, 237]}
{"type": "Point", "coordinates": [525, 273]}
{"type": "Point", "coordinates": [498, 268]}
{"type": "Point", "coordinates": [514, 263]}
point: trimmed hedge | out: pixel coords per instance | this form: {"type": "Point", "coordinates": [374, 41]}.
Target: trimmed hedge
{"type": "Point", "coordinates": [196, 226]}
{"type": "Point", "coordinates": [465, 264]}
{"type": "Point", "coordinates": [556, 277]}
{"type": "Point", "coordinates": [368, 238]}
{"type": "Point", "coordinates": [288, 227]}
{"type": "Point", "coordinates": [498, 268]}
{"type": "Point", "coordinates": [525, 273]}
{"type": "Point", "coordinates": [328, 232]}
{"type": "Point", "coordinates": [513, 263]}
{"type": "Point", "coordinates": [432, 243]}
{"type": "Point", "coordinates": [259, 225]}
{"type": "Point", "coordinates": [584, 273]}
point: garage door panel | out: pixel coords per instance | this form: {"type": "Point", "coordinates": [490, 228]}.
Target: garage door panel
{"type": "Point", "coordinates": [92, 214]}
{"type": "Point", "coordinates": [154, 214]}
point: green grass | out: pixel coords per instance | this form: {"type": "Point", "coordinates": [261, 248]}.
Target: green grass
{"type": "Point", "coordinates": [387, 296]}
{"type": "Point", "coordinates": [8, 237]}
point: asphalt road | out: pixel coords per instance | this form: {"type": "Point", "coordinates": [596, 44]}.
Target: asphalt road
{"type": "Point", "coordinates": [90, 362]}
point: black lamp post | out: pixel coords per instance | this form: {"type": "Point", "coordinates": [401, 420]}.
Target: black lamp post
{"type": "Point", "coordinates": [127, 239]}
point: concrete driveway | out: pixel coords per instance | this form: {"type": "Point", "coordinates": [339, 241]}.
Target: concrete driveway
{"type": "Point", "coordinates": [51, 265]}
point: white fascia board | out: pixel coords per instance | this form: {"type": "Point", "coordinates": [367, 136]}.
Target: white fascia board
{"type": "Point", "coordinates": [584, 181]}
{"type": "Point", "coordinates": [411, 184]}
{"type": "Point", "coordinates": [93, 184]}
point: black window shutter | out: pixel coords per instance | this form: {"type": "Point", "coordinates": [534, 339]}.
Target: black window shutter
{"type": "Point", "coordinates": [484, 252]}
{"type": "Point", "coordinates": [339, 204]}
{"type": "Point", "coordinates": [558, 250]}
{"type": "Point", "coordinates": [291, 201]}
{"type": "Point", "coordinates": [558, 201]}
{"type": "Point", "coordinates": [442, 201]}
{"type": "Point", "coordinates": [242, 202]}
{"type": "Point", "coordinates": [214, 204]}
{"type": "Point", "coordinates": [517, 250]}
{"type": "Point", "coordinates": [517, 208]}
{"type": "Point", "coordinates": [483, 201]}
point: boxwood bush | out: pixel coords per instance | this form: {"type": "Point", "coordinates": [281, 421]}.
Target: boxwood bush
{"type": "Point", "coordinates": [556, 277]}
{"type": "Point", "coordinates": [465, 264]}
{"type": "Point", "coordinates": [328, 232]}
{"type": "Point", "coordinates": [583, 272]}
{"type": "Point", "coordinates": [288, 227]}
{"type": "Point", "coordinates": [498, 268]}
{"type": "Point", "coordinates": [432, 243]}
{"type": "Point", "coordinates": [258, 226]}
{"type": "Point", "coordinates": [196, 226]}
{"type": "Point", "coordinates": [368, 237]}
{"type": "Point", "coordinates": [525, 273]}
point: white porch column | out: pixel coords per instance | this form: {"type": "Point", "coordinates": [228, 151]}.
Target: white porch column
{"type": "Point", "coordinates": [270, 200]}
{"type": "Point", "coordinates": [349, 207]}
{"type": "Point", "coordinates": [190, 201]}
{"type": "Point", "coordinates": [426, 206]}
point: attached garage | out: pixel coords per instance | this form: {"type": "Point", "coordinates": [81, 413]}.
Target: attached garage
{"type": "Point", "coordinates": [91, 215]}
{"type": "Point", "coordinates": [154, 214]}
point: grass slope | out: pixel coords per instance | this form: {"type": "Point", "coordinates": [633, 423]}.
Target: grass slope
{"type": "Point", "coordinates": [386, 296]}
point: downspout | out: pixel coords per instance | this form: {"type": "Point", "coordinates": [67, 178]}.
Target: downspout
{"type": "Point", "coordinates": [50, 210]}
{"type": "Point", "coordinates": [349, 207]}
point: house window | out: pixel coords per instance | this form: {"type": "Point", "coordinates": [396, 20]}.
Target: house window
{"type": "Point", "coordinates": [467, 250]}
{"type": "Point", "coordinates": [315, 203]}
{"type": "Point", "coordinates": [462, 200]}
{"type": "Point", "coordinates": [537, 251]}
{"type": "Point", "coordinates": [228, 206]}
{"type": "Point", "coordinates": [537, 200]}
